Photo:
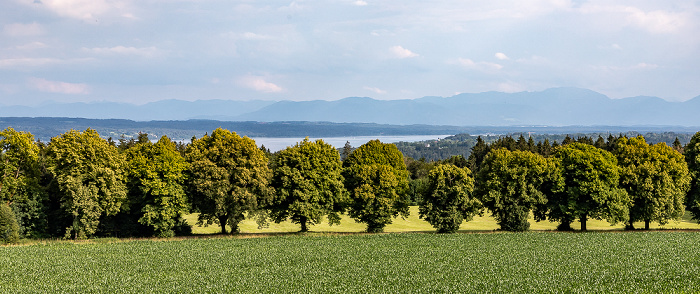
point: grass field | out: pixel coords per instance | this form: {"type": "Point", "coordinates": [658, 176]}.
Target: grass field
{"type": "Point", "coordinates": [413, 223]}
{"type": "Point", "coordinates": [535, 262]}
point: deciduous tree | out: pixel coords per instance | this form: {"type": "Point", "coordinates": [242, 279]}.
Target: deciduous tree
{"type": "Point", "coordinates": [692, 157]}
{"type": "Point", "coordinates": [89, 173]}
{"type": "Point", "coordinates": [377, 179]}
{"type": "Point", "coordinates": [590, 187]}
{"type": "Point", "coordinates": [309, 184]}
{"type": "Point", "coordinates": [513, 183]}
{"type": "Point", "coordinates": [19, 180]}
{"type": "Point", "coordinates": [155, 176]}
{"type": "Point", "coordinates": [449, 200]}
{"type": "Point", "coordinates": [229, 177]}
{"type": "Point", "coordinates": [656, 178]}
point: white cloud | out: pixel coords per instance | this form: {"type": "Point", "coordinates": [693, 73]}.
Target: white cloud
{"type": "Point", "coordinates": [259, 84]}
{"type": "Point", "coordinates": [360, 3]}
{"type": "Point", "coordinates": [88, 10]}
{"type": "Point", "coordinates": [254, 36]}
{"type": "Point", "coordinates": [375, 90]}
{"type": "Point", "coordinates": [501, 56]}
{"type": "Point", "coordinates": [401, 52]}
{"type": "Point", "coordinates": [482, 66]}
{"type": "Point", "coordinates": [21, 29]}
{"type": "Point", "coordinates": [510, 87]}
{"type": "Point", "coordinates": [656, 21]}
{"type": "Point", "coordinates": [638, 66]}
{"type": "Point", "coordinates": [31, 46]}
{"type": "Point", "coordinates": [57, 87]}
{"type": "Point", "coordinates": [27, 62]}
{"type": "Point", "coordinates": [122, 50]}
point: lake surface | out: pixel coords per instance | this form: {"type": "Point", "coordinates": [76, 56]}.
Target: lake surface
{"type": "Point", "coordinates": [276, 144]}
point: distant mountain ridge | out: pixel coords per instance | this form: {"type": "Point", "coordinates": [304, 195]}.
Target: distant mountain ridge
{"type": "Point", "coordinates": [552, 107]}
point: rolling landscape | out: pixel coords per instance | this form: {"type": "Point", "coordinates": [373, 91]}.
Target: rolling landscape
{"type": "Point", "coordinates": [352, 146]}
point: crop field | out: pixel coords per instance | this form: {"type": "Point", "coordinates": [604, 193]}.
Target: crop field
{"type": "Point", "coordinates": [535, 262]}
{"type": "Point", "coordinates": [414, 224]}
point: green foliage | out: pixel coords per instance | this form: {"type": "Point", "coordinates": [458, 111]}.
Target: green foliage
{"type": "Point", "coordinates": [19, 180]}
{"type": "Point", "coordinates": [9, 229]}
{"type": "Point", "coordinates": [89, 173]}
{"type": "Point", "coordinates": [229, 176]}
{"type": "Point", "coordinates": [155, 178]}
{"type": "Point", "coordinates": [377, 179]}
{"type": "Point", "coordinates": [656, 178]}
{"type": "Point", "coordinates": [309, 184]}
{"type": "Point", "coordinates": [392, 263]}
{"type": "Point", "coordinates": [591, 187]}
{"type": "Point", "coordinates": [692, 157]}
{"type": "Point", "coordinates": [448, 201]}
{"type": "Point", "coordinates": [513, 183]}
{"type": "Point", "coordinates": [477, 155]}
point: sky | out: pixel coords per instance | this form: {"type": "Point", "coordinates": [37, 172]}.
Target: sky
{"type": "Point", "coordinates": [139, 51]}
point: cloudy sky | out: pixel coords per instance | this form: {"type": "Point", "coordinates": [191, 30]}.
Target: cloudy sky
{"type": "Point", "coordinates": [138, 51]}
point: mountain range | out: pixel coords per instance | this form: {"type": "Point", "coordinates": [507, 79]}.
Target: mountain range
{"type": "Point", "coordinates": [551, 107]}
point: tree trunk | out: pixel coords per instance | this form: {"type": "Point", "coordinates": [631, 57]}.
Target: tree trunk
{"type": "Point", "coordinates": [646, 224]}
{"type": "Point", "coordinates": [584, 218]}
{"type": "Point", "coordinates": [222, 223]}
{"type": "Point", "coordinates": [234, 227]}
{"type": "Point", "coordinates": [303, 220]}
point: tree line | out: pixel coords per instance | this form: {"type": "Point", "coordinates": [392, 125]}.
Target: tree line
{"type": "Point", "coordinates": [79, 185]}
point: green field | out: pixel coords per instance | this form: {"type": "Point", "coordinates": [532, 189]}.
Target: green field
{"type": "Point", "coordinates": [415, 224]}
{"type": "Point", "coordinates": [535, 262]}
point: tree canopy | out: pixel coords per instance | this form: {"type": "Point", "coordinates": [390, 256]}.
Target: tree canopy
{"type": "Point", "coordinates": [229, 176]}
{"type": "Point", "coordinates": [90, 178]}
{"type": "Point", "coordinates": [512, 183]}
{"type": "Point", "coordinates": [590, 187]}
{"type": "Point", "coordinates": [692, 157]}
{"type": "Point", "coordinates": [377, 179]}
{"type": "Point", "coordinates": [155, 178]}
{"type": "Point", "coordinates": [19, 180]}
{"type": "Point", "coordinates": [309, 184]}
{"type": "Point", "coordinates": [449, 201]}
{"type": "Point", "coordinates": [656, 178]}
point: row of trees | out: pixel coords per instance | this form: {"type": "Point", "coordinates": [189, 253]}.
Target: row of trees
{"type": "Point", "coordinates": [79, 185]}
{"type": "Point", "coordinates": [580, 179]}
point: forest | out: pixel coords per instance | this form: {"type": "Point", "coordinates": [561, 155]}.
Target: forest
{"type": "Point", "coordinates": [80, 185]}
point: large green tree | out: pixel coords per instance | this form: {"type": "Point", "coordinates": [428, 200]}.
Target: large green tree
{"type": "Point", "coordinates": [155, 178]}
{"type": "Point", "coordinates": [513, 183]}
{"type": "Point", "coordinates": [449, 198]}
{"type": "Point", "coordinates": [229, 177]}
{"type": "Point", "coordinates": [692, 157]}
{"type": "Point", "coordinates": [309, 184]}
{"type": "Point", "coordinates": [656, 178]}
{"type": "Point", "coordinates": [591, 187]}
{"type": "Point", "coordinates": [89, 173]}
{"type": "Point", "coordinates": [377, 179]}
{"type": "Point", "coordinates": [19, 180]}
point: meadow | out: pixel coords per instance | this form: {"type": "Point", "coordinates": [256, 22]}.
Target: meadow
{"type": "Point", "coordinates": [414, 224]}
{"type": "Point", "coordinates": [532, 262]}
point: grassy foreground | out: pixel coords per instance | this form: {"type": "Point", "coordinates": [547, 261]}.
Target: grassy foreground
{"type": "Point", "coordinates": [415, 224]}
{"type": "Point", "coordinates": [653, 262]}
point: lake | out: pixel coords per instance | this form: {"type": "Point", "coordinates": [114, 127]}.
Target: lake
{"type": "Point", "coordinates": [276, 144]}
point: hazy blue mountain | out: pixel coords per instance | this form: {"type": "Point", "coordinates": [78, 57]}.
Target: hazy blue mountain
{"type": "Point", "coordinates": [160, 110]}
{"type": "Point", "coordinates": [551, 107]}
{"type": "Point", "coordinates": [556, 107]}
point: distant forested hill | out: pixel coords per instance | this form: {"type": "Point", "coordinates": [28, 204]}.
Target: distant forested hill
{"type": "Point", "coordinates": [552, 107]}
{"type": "Point", "coordinates": [44, 128]}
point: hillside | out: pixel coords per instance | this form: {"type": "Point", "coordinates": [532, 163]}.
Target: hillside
{"type": "Point", "coordinates": [551, 107]}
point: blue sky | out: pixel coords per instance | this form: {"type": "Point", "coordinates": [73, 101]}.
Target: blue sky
{"type": "Point", "coordinates": [138, 51]}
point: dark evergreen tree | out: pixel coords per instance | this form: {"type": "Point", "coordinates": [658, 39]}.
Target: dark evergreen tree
{"type": "Point", "coordinates": [477, 155]}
